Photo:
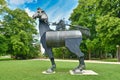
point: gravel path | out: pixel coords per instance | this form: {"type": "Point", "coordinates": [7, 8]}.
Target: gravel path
{"type": "Point", "coordinates": [87, 61]}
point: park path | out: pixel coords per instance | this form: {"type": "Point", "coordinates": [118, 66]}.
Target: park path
{"type": "Point", "coordinates": [87, 61]}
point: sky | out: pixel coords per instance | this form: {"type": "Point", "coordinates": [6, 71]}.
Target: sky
{"type": "Point", "coordinates": [55, 9]}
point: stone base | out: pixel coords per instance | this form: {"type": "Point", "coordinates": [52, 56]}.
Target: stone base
{"type": "Point", "coordinates": [84, 72]}
{"type": "Point", "coordinates": [44, 72]}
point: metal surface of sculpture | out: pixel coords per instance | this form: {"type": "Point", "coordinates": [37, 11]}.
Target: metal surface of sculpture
{"type": "Point", "coordinates": [50, 39]}
{"type": "Point", "coordinates": [60, 25]}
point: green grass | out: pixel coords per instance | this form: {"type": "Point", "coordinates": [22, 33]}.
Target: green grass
{"type": "Point", "coordinates": [32, 70]}
{"type": "Point", "coordinates": [106, 60]}
{"type": "Point", "coordinates": [110, 60]}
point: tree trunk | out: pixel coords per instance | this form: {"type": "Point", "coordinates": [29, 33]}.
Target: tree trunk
{"type": "Point", "coordinates": [89, 55]}
{"type": "Point", "coordinates": [101, 56]}
{"type": "Point", "coordinates": [105, 55]}
{"type": "Point", "coordinates": [119, 54]}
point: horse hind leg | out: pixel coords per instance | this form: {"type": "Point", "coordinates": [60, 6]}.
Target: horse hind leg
{"type": "Point", "coordinates": [73, 45]}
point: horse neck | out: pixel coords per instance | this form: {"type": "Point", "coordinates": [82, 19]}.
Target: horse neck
{"type": "Point", "coordinates": [43, 27]}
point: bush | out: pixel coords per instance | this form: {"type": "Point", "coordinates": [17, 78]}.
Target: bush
{"type": "Point", "coordinates": [63, 53]}
{"type": "Point", "coordinates": [33, 53]}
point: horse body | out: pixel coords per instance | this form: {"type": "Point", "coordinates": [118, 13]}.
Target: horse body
{"type": "Point", "coordinates": [58, 38]}
{"type": "Point", "coordinates": [50, 39]}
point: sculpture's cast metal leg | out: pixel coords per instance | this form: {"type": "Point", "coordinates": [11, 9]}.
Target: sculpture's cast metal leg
{"type": "Point", "coordinates": [80, 67]}
{"type": "Point", "coordinates": [50, 55]}
{"type": "Point", "coordinates": [73, 45]}
{"type": "Point", "coordinates": [52, 69]}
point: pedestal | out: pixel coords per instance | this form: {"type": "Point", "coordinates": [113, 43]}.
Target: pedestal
{"type": "Point", "coordinates": [84, 72]}
{"type": "Point", "coordinates": [44, 72]}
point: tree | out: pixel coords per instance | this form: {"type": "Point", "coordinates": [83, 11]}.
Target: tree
{"type": "Point", "coordinates": [90, 46]}
{"type": "Point", "coordinates": [18, 29]}
{"type": "Point", "coordinates": [109, 32]}
{"type": "Point", "coordinates": [3, 40]}
{"type": "Point", "coordinates": [3, 45]}
{"type": "Point", "coordinates": [108, 25]}
{"type": "Point", "coordinates": [2, 5]}
{"type": "Point", "coordinates": [85, 14]}
{"type": "Point", "coordinates": [102, 17]}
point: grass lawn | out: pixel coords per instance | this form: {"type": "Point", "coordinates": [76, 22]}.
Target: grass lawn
{"type": "Point", "coordinates": [107, 60]}
{"type": "Point", "coordinates": [32, 70]}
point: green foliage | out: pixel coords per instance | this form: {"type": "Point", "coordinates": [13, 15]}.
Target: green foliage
{"type": "Point", "coordinates": [2, 2]}
{"type": "Point", "coordinates": [63, 53]}
{"type": "Point", "coordinates": [18, 28]}
{"type": "Point", "coordinates": [103, 19]}
{"type": "Point", "coordinates": [3, 45]}
{"type": "Point", "coordinates": [108, 29]}
{"type": "Point", "coordinates": [2, 5]}
{"type": "Point", "coordinates": [90, 44]}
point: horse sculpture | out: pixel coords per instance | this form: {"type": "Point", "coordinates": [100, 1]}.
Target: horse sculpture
{"type": "Point", "coordinates": [50, 39]}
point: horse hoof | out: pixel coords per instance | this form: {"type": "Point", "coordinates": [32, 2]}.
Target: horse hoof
{"type": "Point", "coordinates": [81, 67]}
{"type": "Point", "coordinates": [49, 71]}
{"type": "Point", "coordinates": [77, 71]}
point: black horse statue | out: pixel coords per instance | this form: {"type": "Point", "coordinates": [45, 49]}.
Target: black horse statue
{"type": "Point", "coordinates": [50, 39]}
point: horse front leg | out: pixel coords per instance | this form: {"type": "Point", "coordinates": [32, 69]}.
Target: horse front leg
{"type": "Point", "coordinates": [53, 67]}
{"type": "Point", "coordinates": [51, 57]}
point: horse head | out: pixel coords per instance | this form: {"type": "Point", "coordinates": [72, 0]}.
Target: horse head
{"type": "Point", "coordinates": [41, 15]}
